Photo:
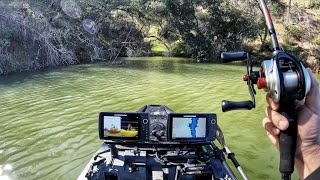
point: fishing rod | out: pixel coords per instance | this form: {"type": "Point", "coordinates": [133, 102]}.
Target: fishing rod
{"type": "Point", "coordinates": [229, 153]}
{"type": "Point", "coordinates": [286, 79]}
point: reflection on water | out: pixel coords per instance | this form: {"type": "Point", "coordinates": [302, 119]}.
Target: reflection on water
{"type": "Point", "coordinates": [4, 171]}
{"type": "Point", "coordinates": [49, 118]}
{"type": "Point", "coordinates": [4, 177]}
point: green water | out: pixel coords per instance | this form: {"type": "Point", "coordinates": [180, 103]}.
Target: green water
{"type": "Point", "coordinates": [49, 119]}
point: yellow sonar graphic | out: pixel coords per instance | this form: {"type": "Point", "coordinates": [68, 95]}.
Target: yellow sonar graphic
{"type": "Point", "coordinates": [125, 133]}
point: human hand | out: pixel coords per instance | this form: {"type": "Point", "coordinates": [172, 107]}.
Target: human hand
{"type": "Point", "coordinates": [307, 157]}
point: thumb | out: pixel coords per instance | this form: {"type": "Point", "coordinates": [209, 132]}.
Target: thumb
{"type": "Point", "coordinates": [313, 97]}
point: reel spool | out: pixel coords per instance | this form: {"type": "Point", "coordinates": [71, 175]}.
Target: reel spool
{"type": "Point", "coordinates": [284, 77]}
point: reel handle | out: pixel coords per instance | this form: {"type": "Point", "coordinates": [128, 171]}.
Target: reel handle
{"type": "Point", "coordinates": [231, 105]}
{"type": "Point", "coordinates": [288, 139]}
{"type": "Point", "coordinates": [233, 56]}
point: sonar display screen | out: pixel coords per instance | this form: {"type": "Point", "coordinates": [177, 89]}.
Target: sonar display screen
{"type": "Point", "coordinates": [188, 127]}
{"type": "Point", "coordinates": [125, 126]}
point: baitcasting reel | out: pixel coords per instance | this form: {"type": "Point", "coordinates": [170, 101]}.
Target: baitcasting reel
{"type": "Point", "coordinates": [286, 79]}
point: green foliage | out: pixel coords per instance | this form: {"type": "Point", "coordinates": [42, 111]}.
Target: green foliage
{"type": "Point", "coordinates": [4, 42]}
{"type": "Point", "coordinates": [199, 28]}
{"type": "Point", "coordinates": [158, 47]}
{"type": "Point", "coordinates": [205, 27]}
{"type": "Point", "coordinates": [208, 27]}
{"type": "Point", "coordinates": [277, 8]}
{"type": "Point", "coordinates": [316, 39]}
{"type": "Point", "coordinates": [292, 48]}
{"type": "Point", "coordinates": [180, 49]}
{"type": "Point", "coordinates": [315, 4]}
{"type": "Point", "coordinates": [5, 34]}
{"type": "Point", "coordinates": [295, 31]}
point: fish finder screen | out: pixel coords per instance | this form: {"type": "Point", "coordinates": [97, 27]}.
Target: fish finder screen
{"type": "Point", "coordinates": [189, 127]}
{"type": "Point", "coordinates": [125, 126]}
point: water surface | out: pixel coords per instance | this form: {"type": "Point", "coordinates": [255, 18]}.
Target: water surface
{"type": "Point", "coordinates": [49, 118]}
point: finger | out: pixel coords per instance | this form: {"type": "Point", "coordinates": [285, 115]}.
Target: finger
{"type": "Point", "coordinates": [274, 139]}
{"type": "Point", "coordinates": [312, 98]}
{"type": "Point", "coordinates": [299, 105]}
{"type": "Point", "coordinates": [268, 125]}
{"type": "Point", "coordinates": [272, 104]}
{"type": "Point", "coordinates": [277, 119]}
{"type": "Point", "coordinates": [314, 82]}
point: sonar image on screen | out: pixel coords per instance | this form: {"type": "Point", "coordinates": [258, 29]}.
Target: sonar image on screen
{"type": "Point", "coordinates": [120, 126]}
{"type": "Point", "coordinates": [188, 127]}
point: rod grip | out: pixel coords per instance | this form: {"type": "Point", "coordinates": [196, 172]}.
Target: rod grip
{"type": "Point", "coordinates": [288, 138]}
{"type": "Point", "coordinates": [233, 56]}
{"type": "Point", "coordinates": [230, 105]}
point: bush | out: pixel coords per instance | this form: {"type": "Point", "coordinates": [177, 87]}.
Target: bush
{"type": "Point", "coordinates": [180, 49]}
{"type": "Point", "coordinates": [314, 4]}
{"type": "Point", "coordinates": [295, 31]}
